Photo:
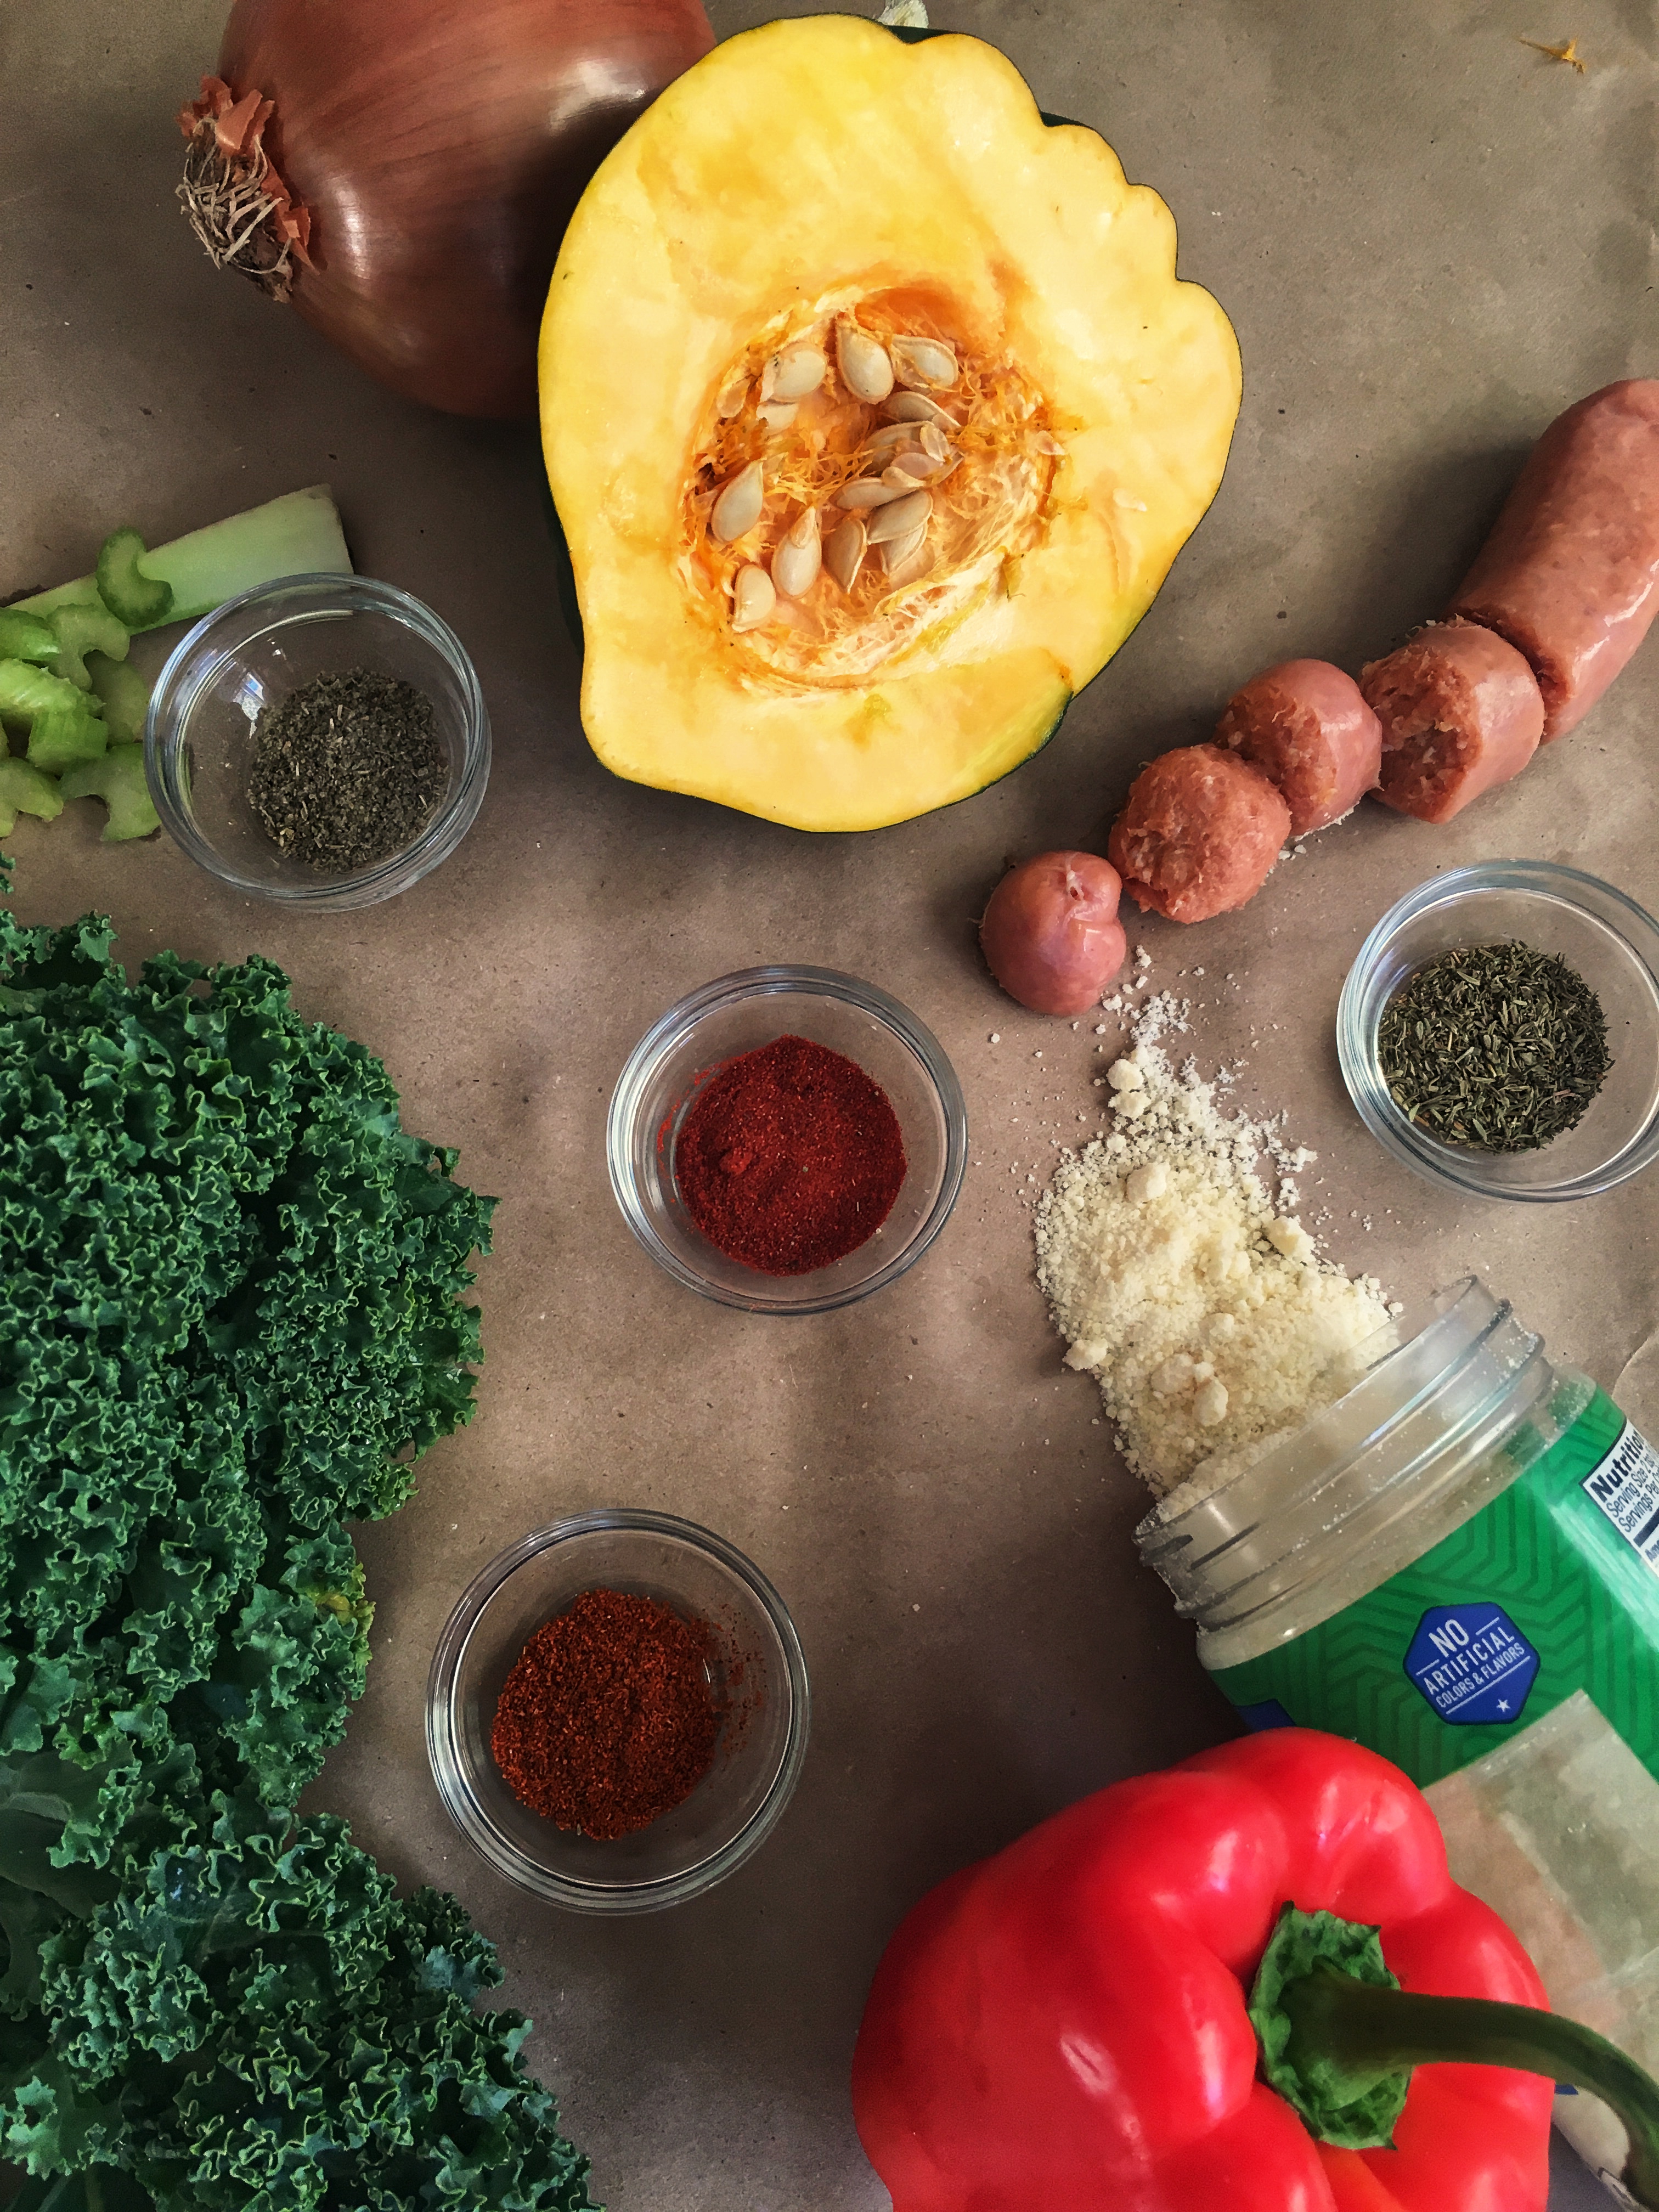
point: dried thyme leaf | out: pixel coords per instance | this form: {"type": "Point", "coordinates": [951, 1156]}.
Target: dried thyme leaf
{"type": "Point", "coordinates": [1498, 1047]}
{"type": "Point", "coordinates": [347, 770]}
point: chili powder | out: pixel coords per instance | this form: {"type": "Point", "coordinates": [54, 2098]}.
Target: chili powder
{"type": "Point", "coordinates": [790, 1157]}
{"type": "Point", "coordinates": [608, 1718]}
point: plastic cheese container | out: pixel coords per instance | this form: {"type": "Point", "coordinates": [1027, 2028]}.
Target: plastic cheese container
{"type": "Point", "coordinates": [1457, 1563]}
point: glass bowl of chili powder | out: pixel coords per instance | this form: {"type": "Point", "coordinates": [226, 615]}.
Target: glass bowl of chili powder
{"type": "Point", "coordinates": [546, 1641]}
{"type": "Point", "coordinates": [786, 1140]}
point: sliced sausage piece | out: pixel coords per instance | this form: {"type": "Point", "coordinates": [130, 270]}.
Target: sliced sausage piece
{"type": "Point", "coordinates": [1198, 833]}
{"type": "Point", "coordinates": [1461, 712]}
{"type": "Point", "coordinates": [1570, 572]}
{"type": "Point", "coordinates": [1051, 934]}
{"type": "Point", "coordinates": [1306, 728]}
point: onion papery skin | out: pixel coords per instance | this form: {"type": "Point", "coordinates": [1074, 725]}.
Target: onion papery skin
{"type": "Point", "coordinates": [441, 146]}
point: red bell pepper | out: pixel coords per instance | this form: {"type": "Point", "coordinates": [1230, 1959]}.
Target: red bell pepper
{"type": "Point", "coordinates": [1067, 2026]}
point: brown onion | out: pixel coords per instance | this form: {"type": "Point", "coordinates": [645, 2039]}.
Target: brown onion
{"type": "Point", "coordinates": [1051, 932]}
{"type": "Point", "coordinates": [432, 152]}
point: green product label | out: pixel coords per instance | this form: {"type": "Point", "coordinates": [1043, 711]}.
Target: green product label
{"type": "Point", "coordinates": [1551, 1588]}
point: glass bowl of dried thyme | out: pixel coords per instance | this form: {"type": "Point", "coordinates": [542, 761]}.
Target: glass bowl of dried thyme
{"type": "Point", "coordinates": [320, 741]}
{"type": "Point", "coordinates": [1499, 1032]}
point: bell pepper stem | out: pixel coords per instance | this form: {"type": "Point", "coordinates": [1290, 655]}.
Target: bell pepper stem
{"type": "Point", "coordinates": [1371, 2032]}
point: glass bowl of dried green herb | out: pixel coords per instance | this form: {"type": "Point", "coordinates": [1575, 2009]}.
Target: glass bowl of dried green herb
{"type": "Point", "coordinates": [320, 741]}
{"type": "Point", "coordinates": [1499, 1032]}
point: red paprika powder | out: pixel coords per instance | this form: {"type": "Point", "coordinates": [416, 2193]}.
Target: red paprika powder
{"type": "Point", "coordinates": [608, 1718]}
{"type": "Point", "coordinates": [790, 1157]}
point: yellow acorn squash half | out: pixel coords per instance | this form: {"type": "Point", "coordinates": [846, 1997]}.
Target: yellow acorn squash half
{"type": "Point", "coordinates": [874, 417]}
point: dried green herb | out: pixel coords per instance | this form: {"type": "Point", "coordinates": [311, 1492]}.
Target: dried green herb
{"type": "Point", "coordinates": [347, 770]}
{"type": "Point", "coordinates": [1497, 1047]}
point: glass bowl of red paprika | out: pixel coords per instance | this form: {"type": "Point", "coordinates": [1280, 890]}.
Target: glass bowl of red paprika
{"type": "Point", "coordinates": [887, 1132]}
{"type": "Point", "coordinates": [755, 1677]}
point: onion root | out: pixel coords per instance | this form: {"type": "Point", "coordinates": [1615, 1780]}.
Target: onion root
{"type": "Point", "coordinates": [233, 198]}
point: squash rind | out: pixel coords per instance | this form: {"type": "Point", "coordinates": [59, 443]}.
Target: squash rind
{"type": "Point", "coordinates": [1048, 254]}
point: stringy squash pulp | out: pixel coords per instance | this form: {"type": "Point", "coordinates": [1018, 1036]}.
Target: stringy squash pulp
{"type": "Point", "coordinates": [874, 417]}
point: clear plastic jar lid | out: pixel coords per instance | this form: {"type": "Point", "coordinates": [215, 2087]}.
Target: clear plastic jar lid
{"type": "Point", "coordinates": [1421, 1430]}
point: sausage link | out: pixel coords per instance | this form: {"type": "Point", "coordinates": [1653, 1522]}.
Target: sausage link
{"type": "Point", "coordinates": [1198, 833]}
{"type": "Point", "coordinates": [1305, 726]}
{"type": "Point", "coordinates": [1570, 575]}
{"type": "Point", "coordinates": [1461, 713]}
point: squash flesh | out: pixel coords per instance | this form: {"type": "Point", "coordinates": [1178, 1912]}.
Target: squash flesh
{"type": "Point", "coordinates": [820, 159]}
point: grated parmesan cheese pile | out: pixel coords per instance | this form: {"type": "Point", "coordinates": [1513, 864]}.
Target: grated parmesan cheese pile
{"type": "Point", "coordinates": [1208, 1318]}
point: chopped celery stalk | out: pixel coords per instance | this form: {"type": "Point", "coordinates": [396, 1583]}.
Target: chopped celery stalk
{"type": "Point", "coordinates": [24, 790]}
{"type": "Point", "coordinates": [298, 534]}
{"type": "Point", "coordinates": [119, 780]}
{"type": "Point", "coordinates": [27, 637]}
{"type": "Point", "coordinates": [26, 690]}
{"type": "Point", "coordinates": [125, 695]}
{"type": "Point", "coordinates": [78, 630]}
{"type": "Point", "coordinates": [134, 599]}
{"type": "Point", "coordinates": [63, 737]}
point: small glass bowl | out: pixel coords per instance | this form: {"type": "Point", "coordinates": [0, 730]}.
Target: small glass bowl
{"type": "Point", "coordinates": [255, 650]}
{"type": "Point", "coordinates": [1610, 941]}
{"type": "Point", "coordinates": [736, 1014]}
{"type": "Point", "coordinates": [757, 1755]}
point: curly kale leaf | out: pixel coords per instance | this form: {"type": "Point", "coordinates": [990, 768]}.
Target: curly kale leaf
{"type": "Point", "coordinates": [99, 2189]}
{"type": "Point", "coordinates": [228, 1319]}
{"type": "Point", "coordinates": [201, 1180]}
{"type": "Point", "coordinates": [278, 2028]}
{"type": "Point", "coordinates": [48, 2122]}
{"type": "Point", "coordinates": [264, 1696]}
{"type": "Point", "coordinates": [27, 1917]}
{"type": "Point", "coordinates": [294, 1659]}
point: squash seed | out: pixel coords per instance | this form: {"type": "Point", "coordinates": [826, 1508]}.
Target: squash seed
{"type": "Point", "coordinates": [844, 551]}
{"type": "Point", "coordinates": [900, 517]}
{"type": "Point", "coordinates": [889, 436]}
{"type": "Point", "coordinates": [917, 407]}
{"type": "Point", "coordinates": [898, 553]}
{"type": "Point", "coordinates": [739, 507]}
{"type": "Point", "coordinates": [793, 373]}
{"type": "Point", "coordinates": [917, 466]}
{"type": "Point", "coordinates": [869, 491]}
{"type": "Point", "coordinates": [795, 564]}
{"type": "Point", "coordinates": [732, 398]}
{"type": "Point", "coordinates": [753, 599]}
{"type": "Point", "coordinates": [777, 414]}
{"type": "Point", "coordinates": [928, 363]}
{"type": "Point", "coordinates": [935, 441]}
{"type": "Point", "coordinates": [864, 369]}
